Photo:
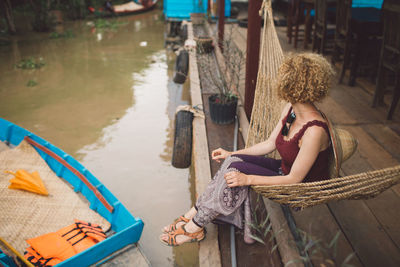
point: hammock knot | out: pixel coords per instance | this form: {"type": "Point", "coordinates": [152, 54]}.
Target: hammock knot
{"type": "Point", "coordinates": [265, 7]}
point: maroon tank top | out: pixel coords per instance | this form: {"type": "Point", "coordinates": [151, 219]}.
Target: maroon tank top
{"type": "Point", "coordinates": [288, 149]}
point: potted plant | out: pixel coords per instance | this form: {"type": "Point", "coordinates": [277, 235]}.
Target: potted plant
{"type": "Point", "coordinates": [204, 44]}
{"type": "Point", "coordinates": [222, 108]}
{"type": "Point", "coordinates": [222, 105]}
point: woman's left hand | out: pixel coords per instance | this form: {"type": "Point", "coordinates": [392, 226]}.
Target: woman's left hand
{"type": "Point", "coordinates": [234, 179]}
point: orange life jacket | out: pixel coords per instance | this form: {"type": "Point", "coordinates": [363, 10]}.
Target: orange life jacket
{"type": "Point", "coordinates": [53, 248]}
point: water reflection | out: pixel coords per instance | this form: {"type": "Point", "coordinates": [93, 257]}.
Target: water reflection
{"type": "Point", "coordinates": [110, 102]}
{"type": "Point", "coordinates": [132, 148]}
{"type": "Point", "coordinates": [89, 80]}
{"type": "Point", "coordinates": [178, 95]}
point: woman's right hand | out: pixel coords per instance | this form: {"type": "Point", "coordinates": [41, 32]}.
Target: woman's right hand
{"type": "Point", "coordinates": [219, 154]}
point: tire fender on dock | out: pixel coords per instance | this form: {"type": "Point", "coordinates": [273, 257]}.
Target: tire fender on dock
{"type": "Point", "coordinates": [182, 150]}
{"type": "Point", "coordinates": [184, 32]}
{"type": "Point", "coordinates": [181, 67]}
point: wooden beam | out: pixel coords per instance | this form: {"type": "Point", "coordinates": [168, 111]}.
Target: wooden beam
{"type": "Point", "coordinates": [252, 53]}
{"type": "Point", "coordinates": [221, 23]}
{"type": "Point", "coordinates": [209, 254]}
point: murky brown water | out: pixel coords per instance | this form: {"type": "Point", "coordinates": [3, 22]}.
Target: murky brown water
{"type": "Point", "coordinates": [108, 99]}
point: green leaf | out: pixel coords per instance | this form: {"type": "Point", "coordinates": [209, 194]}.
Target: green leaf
{"type": "Point", "coordinates": [348, 258]}
{"type": "Point", "coordinates": [334, 240]}
{"type": "Point", "coordinates": [256, 238]}
{"type": "Point", "coordinates": [267, 230]}
{"type": "Point", "coordinates": [252, 225]}
{"type": "Point", "coordinates": [292, 262]}
{"type": "Point", "coordinates": [274, 248]}
{"type": "Point", "coordinates": [265, 221]}
{"type": "Point", "coordinates": [309, 245]}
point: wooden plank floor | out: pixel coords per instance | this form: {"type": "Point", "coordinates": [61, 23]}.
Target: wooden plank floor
{"type": "Point", "coordinates": [255, 254]}
{"type": "Point", "coordinates": [368, 229]}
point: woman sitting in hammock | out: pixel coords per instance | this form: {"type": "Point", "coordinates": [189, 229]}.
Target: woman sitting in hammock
{"type": "Point", "coordinates": [301, 137]}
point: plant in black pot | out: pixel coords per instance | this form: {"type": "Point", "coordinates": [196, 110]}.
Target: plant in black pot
{"type": "Point", "coordinates": [225, 78]}
{"type": "Point", "coordinates": [222, 108]}
{"type": "Point", "coordinates": [204, 44]}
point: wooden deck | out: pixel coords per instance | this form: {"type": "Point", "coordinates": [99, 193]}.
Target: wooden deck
{"type": "Point", "coordinates": [256, 254]}
{"type": "Point", "coordinates": [368, 229]}
{"type": "Point", "coordinates": [222, 136]}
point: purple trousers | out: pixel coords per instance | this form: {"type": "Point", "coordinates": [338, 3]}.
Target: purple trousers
{"type": "Point", "coordinates": [231, 205]}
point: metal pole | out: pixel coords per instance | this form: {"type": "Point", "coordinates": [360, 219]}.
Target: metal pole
{"type": "Point", "coordinates": [252, 53]}
{"type": "Point", "coordinates": [233, 243]}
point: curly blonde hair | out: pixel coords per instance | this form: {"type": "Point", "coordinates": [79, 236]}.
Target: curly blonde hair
{"type": "Point", "coordinates": [304, 77]}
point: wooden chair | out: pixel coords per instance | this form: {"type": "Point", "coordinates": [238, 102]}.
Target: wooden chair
{"type": "Point", "coordinates": [342, 33]}
{"type": "Point", "coordinates": [289, 21]}
{"type": "Point", "coordinates": [322, 31]}
{"type": "Point", "coordinates": [296, 18]}
{"type": "Point", "coordinates": [363, 30]}
{"type": "Point", "coordinates": [389, 62]}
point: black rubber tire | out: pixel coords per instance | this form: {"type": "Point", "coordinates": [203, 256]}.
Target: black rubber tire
{"type": "Point", "coordinates": [179, 78]}
{"type": "Point", "coordinates": [181, 67]}
{"type": "Point", "coordinates": [184, 32]}
{"type": "Point", "coordinates": [242, 23]}
{"type": "Point", "coordinates": [182, 151]}
{"type": "Point", "coordinates": [173, 28]}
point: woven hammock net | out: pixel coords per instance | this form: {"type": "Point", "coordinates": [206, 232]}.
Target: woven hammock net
{"type": "Point", "coordinates": [265, 115]}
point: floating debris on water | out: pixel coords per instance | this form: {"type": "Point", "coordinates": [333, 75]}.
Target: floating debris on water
{"type": "Point", "coordinates": [66, 34]}
{"type": "Point", "coordinates": [32, 83]}
{"type": "Point", "coordinates": [30, 63]}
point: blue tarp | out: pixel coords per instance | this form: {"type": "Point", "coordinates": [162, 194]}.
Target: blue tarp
{"type": "Point", "coordinates": [181, 9]}
{"type": "Point", "coordinates": [367, 3]}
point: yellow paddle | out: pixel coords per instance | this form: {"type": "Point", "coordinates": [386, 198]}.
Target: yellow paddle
{"type": "Point", "coordinates": [16, 253]}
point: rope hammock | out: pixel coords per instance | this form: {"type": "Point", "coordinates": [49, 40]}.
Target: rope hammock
{"type": "Point", "coordinates": [265, 115]}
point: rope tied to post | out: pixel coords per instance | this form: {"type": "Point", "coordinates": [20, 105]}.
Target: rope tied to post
{"type": "Point", "coordinates": [196, 110]}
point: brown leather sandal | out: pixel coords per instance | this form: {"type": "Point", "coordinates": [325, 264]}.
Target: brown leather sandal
{"type": "Point", "coordinates": [196, 237]}
{"type": "Point", "coordinates": [172, 226]}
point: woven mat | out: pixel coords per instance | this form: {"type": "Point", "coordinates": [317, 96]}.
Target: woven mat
{"type": "Point", "coordinates": [25, 215]}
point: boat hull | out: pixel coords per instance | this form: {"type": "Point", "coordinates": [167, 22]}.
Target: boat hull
{"type": "Point", "coordinates": [127, 228]}
{"type": "Point", "coordinates": [106, 14]}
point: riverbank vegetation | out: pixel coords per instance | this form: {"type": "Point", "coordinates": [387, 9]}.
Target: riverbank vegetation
{"type": "Point", "coordinates": [43, 15]}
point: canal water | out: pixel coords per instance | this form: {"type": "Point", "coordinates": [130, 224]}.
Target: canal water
{"type": "Point", "coordinates": [106, 96]}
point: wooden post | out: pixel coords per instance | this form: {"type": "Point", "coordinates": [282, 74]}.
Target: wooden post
{"type": "Point", "coordinates": [221, 23]}
{"type": "Point", "coordinates": [252, 53]}
{"type": "Point", "coordinates": [6, 6]}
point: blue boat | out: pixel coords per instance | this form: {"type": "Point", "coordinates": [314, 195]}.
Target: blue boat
{"type": "Point", "coordinates": [181, 9]}
{"type": "Point", "coordinates": [126, 228]}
